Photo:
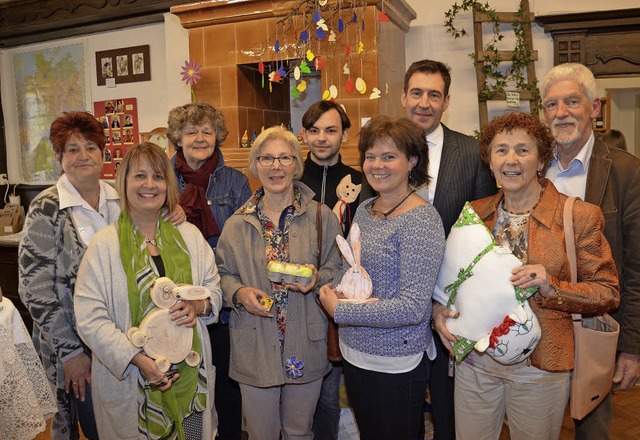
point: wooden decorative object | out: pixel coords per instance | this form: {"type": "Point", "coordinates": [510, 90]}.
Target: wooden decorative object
{"type": "Point", "coordinates": [159, 137]}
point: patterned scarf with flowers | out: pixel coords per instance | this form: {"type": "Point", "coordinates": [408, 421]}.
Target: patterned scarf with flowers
{"type": "Point", "coordinates": [276, 243]}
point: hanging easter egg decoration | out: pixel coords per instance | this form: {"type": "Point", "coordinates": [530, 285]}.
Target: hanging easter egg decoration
{"type": "Point", "coordinates": [296, 73]}
{"type": "Point", "coordinates": [361, 86]}
{"type": "Point", "coordinates": [322, 2]}
{"type": "Point", "coordinates": [295, 93]}
{"type": "Point", "coordinates": [302, 86]}
{"type": "Point", "coordinates": [304, 36]}
{"type": "Point", "coordinates": [360, 47]}
{"type": "Point", "coordinates": [319, 63]}
{"type": "Point", "coordinates": [332, 37]}
{"type": "Point", "coordinates": [340, 25]}
{"type": "Point", "coordinates": [375, 94]}
{"type": "Point", "coordinates": [261, 68]}
{"type": "Point", "coordinates": [310, 55]}
{"type": "Point", "coordinates": [316, 16]}
{"type": "Point", "coordinates": [333, 91]}
{"type": "Point", "coordinates": [349, 86]}
{"type": "Point", "coordinates": [383, 17]}
{"type": "Point", "coordinates": [276, 47]}
{"type": "Point", "coordinates": [347, 50]}
{"type": "Point", "coordinates": [322, 27]}
{"type": "Point", "coordinates": [345, 69]}
{"type": "Point", "coordinates": [326, 95]}
{"type": "Point", "coordinates": [282, 72]}
{"type": "Point", "coordinates": [304, 67]}
{"type": "Point", "coordinates": [354, 18]}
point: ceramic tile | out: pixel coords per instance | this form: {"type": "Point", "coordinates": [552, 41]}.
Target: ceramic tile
{"type": "Point", "coordinates": [251, 40]}
{"type": "Point", "coordinates": [220, 44]}
{"type": "Point", "coordinates": [229, 85]}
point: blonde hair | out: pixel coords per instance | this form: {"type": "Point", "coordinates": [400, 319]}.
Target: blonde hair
{"type": "Point", "coordinates": [272, 134]}
{"type": "Point", "coordinates": [159, 163]}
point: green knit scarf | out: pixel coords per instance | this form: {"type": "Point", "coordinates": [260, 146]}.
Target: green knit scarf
{"type": "Point", "coordinates": [160, 414]}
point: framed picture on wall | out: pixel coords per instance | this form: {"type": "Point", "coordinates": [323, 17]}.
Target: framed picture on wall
{"type": "Point", "coordinates": [125, 65]}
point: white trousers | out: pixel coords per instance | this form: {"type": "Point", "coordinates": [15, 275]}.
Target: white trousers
{"type": "Point", "coordinates": [286, 409]}
{"type": "Point", "coordinates": [534, 410]}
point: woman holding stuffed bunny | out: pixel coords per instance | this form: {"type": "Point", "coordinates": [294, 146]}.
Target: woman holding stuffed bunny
{"type": "Point", "coordinates": [132, 395]}
{"type": "Point", "coordinates": [527, 217]}
{"type": "Point", "coordinates": [278, 350]}
{"type": "Point", "coordinates": [387, 342]}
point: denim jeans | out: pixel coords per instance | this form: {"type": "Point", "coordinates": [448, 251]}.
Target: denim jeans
{"type": "Point", "coordinates": [327, 417]}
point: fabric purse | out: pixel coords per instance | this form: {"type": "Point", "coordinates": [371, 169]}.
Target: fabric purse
{"type": "Point", "coordinates": [596, 340]}
{"type": "Point", "coordinates": [333, 340]}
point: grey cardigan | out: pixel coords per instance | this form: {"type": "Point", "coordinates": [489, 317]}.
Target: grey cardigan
{"type": "Point", "coordinates": [103, 316]}
{"type": "Point", "coordinates": [256, 359]}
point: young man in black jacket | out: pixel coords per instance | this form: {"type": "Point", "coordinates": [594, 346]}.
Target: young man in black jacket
{"type": "Point", "coordinates": [326, 127]}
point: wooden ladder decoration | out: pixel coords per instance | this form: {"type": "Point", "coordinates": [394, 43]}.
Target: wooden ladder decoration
{"type": "Point", "coordinates": [505, 56]}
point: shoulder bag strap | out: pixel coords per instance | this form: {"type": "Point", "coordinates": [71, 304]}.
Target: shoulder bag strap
{"type": "Point", "coordinates": [319, 231]}
{"type": "Point", "coordinates": [570, 244]}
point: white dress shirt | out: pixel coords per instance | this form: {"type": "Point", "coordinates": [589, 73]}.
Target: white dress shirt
{"type": "Point", "coordinates": [572, 180]}
{"type": "Point", "coordinates": [87, 221]}
{"type": "Point", "coordinates": [435, 140]}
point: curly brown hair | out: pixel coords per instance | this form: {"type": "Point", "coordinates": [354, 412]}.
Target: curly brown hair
{"type": "Point", "coordinates": [197, 114]}
{"type": "Point", "coordinates": [514, 121]}
{"type": "Point", "coordinates": [408, 138]}
{"type": "Point", "coordinates": [79, 123]}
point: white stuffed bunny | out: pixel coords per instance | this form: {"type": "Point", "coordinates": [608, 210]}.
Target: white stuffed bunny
{"type": "Point", "coordinates": [355, 283]}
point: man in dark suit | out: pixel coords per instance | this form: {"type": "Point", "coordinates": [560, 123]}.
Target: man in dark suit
{"type": "Point", "coordinates": [588, 168]}
{"type": "Point", "coordinates": [457, 176]}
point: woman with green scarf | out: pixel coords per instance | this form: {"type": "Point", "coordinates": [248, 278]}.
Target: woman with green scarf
{"type": "Point", "coordinates": [132, 397]}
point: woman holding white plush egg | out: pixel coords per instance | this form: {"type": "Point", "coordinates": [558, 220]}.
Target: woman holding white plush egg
{"type": "Point", "coordinates": [526, 217]}
{"type": "Point", "coordinates": [387, 343]}
{"type": "Point", "coordinates": [278, 331]}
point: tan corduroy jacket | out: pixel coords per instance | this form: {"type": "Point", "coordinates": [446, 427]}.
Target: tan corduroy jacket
{"type": "Point", "coordinates": [597, 289]}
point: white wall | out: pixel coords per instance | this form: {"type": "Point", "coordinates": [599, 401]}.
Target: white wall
{"type": "Point", "coordinates": [169, 48]}
{"type": "Point", "coordinates": [427, 39]}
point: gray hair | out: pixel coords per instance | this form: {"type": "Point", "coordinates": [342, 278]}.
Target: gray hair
{"type": "Point", "coordinates": [272, 134]}
{"type": "Point", "coordinates": [574, 72]}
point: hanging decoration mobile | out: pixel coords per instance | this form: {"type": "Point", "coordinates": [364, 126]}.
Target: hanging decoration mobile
{"type": "Point", "coordinates": [317, 35]}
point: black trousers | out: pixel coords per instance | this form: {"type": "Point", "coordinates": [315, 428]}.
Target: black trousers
{"type": "Point", "coordinates": [227, 397]}
{"type": "Point", "coordinates": [388, 406]}
{"type": "Point", "coordinates": [441, 392]}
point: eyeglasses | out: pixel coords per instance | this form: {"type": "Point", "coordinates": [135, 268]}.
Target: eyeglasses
{"type": "Point", "coordinates": [571, 102]}
{"type": "Point", "coordinates": [267, 161]}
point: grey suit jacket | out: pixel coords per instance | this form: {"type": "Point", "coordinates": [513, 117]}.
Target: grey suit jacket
{"type": "Point", "coordinates": [462, 177]}
{"type": "Point", "coordinates": [613, 183]}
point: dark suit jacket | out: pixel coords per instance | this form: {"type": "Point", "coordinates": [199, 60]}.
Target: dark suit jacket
{"type": "Point", "coordinates": [613, 183]}
{"type": "Point", "coordinates": [462, 177]}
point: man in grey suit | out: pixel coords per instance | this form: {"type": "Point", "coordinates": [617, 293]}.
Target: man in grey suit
{"type": "Point", "coordinates": [586, 167]}
{"type": "Point", "coordinates": [457, 176]}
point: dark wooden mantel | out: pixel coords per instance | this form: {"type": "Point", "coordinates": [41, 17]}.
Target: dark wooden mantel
{"type": "Point", "coordinates": [605, 41]}
{"type": "Point", "coordinates": [32, 21]}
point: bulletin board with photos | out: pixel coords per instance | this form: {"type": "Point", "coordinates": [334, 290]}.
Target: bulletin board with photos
{"type": "Point", "coordinates": [119, 119]}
